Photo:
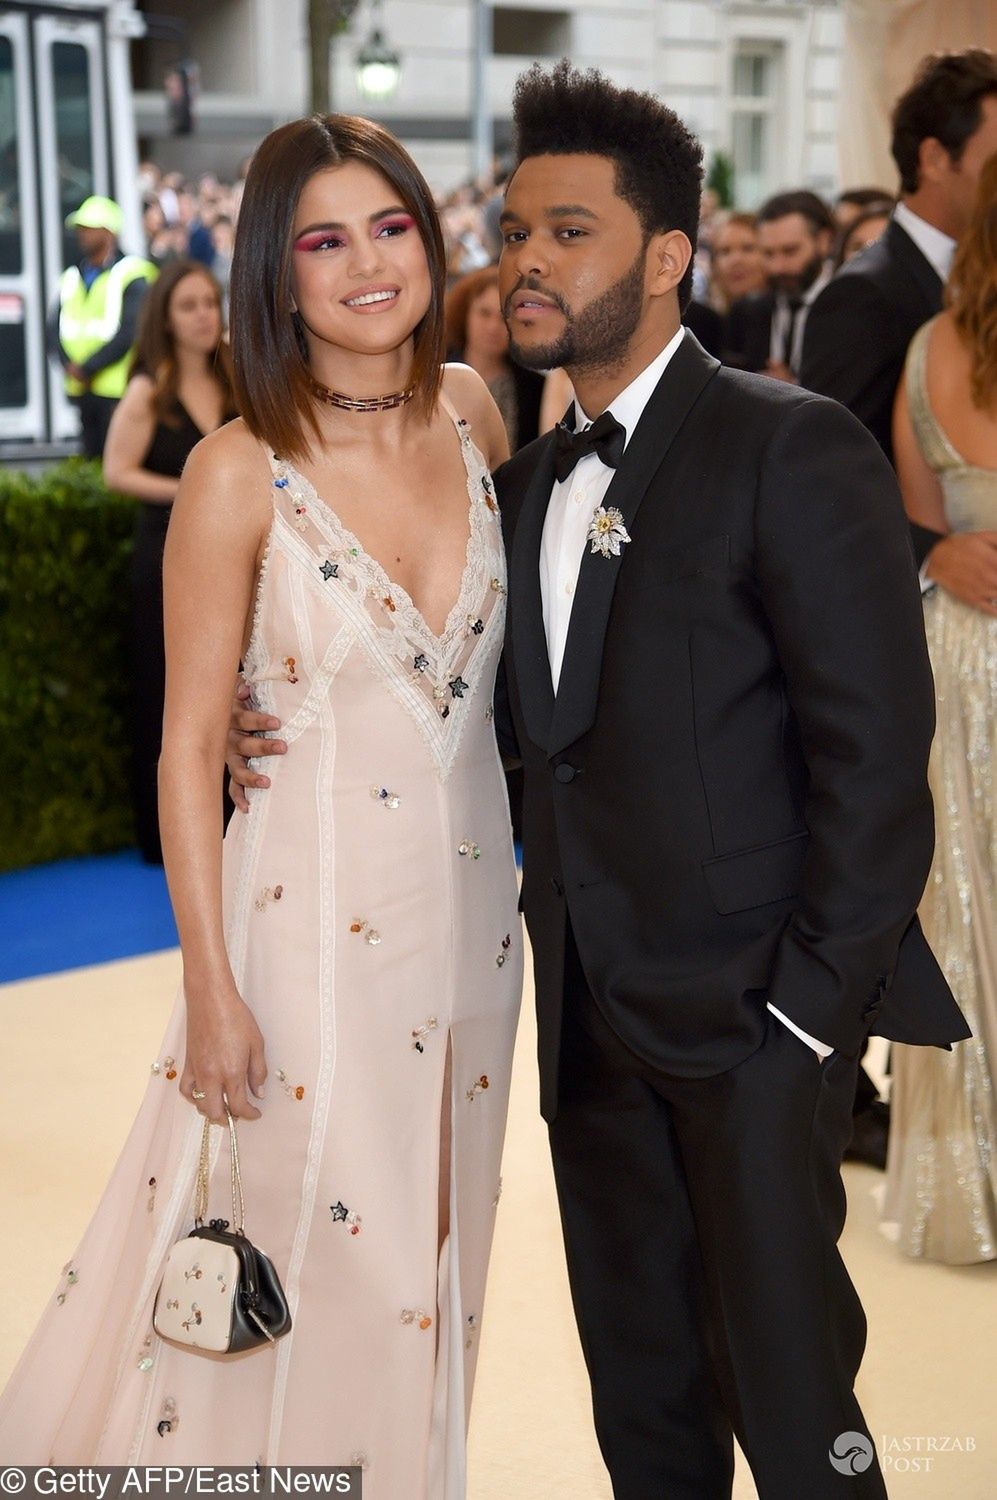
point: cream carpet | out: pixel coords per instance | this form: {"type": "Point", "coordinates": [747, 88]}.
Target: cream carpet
{"type": "Point", "coordinates": [74, 1063]}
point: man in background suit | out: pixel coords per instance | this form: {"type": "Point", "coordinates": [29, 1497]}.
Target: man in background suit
{"type": "Point", "coordinates": [944, 129]}
{"type": "Point", "coordinates": [765, 331]}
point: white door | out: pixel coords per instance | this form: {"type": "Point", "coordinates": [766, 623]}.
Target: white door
{"type": "Point", "coordinates": [22, 314]}
{"type": "Point", "coordinates": [72, 156]}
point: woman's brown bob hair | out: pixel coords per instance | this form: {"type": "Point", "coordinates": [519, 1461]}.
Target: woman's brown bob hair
{"type": "Point", "coordinates": [272, 380]}
{"type": "Point", "coordinates": [155, 349]}
{"type": "Point", "coordinates": [972, 289]}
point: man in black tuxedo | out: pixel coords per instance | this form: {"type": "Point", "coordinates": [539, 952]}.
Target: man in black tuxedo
{"type": "Point", "coordinates": [858, 331]}
{"type": "Point", "coordinates": [716, 680]}
{"type": "Point", "coordinates": [765, 332]}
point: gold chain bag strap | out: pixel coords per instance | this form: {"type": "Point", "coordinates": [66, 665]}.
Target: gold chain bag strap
{"type": "Point", "coordinates": [219, 1293]}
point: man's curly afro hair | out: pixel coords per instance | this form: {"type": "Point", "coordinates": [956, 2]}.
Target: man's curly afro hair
{"type": "Point", "coordinates": [659, 162]}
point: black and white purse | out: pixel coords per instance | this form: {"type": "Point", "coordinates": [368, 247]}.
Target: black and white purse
{"type": "Point", "coordinates": [219, 1294]}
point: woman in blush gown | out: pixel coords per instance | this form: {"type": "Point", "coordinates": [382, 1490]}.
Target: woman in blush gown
{"type": "Point", "coordinates": [942, 1166]}
{"type": "Point", "coordinates": [355, 941]}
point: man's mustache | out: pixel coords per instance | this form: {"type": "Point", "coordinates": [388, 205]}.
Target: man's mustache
{"type": "Point", "coordinates": [531, 284]}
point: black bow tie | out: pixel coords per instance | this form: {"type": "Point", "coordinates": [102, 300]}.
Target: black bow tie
{"type": "Point", "coordinates": [605, 437]}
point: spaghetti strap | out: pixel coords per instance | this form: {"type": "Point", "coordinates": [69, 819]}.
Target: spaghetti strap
{"type": "Point", "coordinates": [461, 423]}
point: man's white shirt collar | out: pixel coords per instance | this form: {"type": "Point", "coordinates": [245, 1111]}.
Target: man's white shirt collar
{"type": "Point", "coordinates": [936, 247]}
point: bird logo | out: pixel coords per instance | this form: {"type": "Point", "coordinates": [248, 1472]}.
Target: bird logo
{"type": "Point", "coordinates": [851, 1453]}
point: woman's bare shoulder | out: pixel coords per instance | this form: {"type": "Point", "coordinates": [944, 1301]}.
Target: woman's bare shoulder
{"type": "Point", "coordinates": [229, 468]}
{"type": "Point", "coordinates": [142, 385]}
{"type": "Point", "coordinates": [943, 333]}
{"type": "Point", "coordinates": [471, 399]}
{"type": "Point", "coordinates": [466, 390]}
{"type": "Point", "coordinates": [139, 395]}
{"type": "Point", "coordinates": [948, 357]}
{"type": "Point", "coordinates": [230, 454]}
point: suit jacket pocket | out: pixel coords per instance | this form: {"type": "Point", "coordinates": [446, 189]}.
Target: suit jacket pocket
{"type": "Point", "coordinates": [754, 877]}
{"type": "Point", "coordinates": [710, 554]}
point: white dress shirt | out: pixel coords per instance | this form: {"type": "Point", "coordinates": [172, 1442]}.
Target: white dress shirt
{"type": "Point", "coordinates": [783, 324]}
{"type": "Point", "coordinates": [572, 504]}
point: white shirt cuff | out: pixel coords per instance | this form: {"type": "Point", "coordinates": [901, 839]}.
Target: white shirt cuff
{"type": "Point", "coordinates": [819, 1047]}
{"type": "Point", "coordinates": [927, 584]}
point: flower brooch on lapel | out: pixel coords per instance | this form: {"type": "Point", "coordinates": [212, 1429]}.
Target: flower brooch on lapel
{"type": "Point", "coordinates": [607, 532]}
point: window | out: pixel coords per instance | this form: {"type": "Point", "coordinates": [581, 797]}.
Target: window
{"type": "Point", "coordinates": [13, 348]}
{"type": "Point", "coordinates": [530, 33]}
{"type": "Point", "coordinates": [755, 91]}
{"type": "Point", "coordinates": [73, 133]}
{"type": "Point", "coordinates": [10, 188]}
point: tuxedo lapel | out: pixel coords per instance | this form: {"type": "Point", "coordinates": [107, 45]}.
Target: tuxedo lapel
{"type": "Point", "coordinates": [531, 662]}
{"type": "Point", "coordinates": [687, 373]}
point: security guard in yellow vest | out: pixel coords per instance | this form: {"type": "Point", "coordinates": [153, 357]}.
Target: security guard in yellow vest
{"type": "Point", "coordinates": [92, 327]}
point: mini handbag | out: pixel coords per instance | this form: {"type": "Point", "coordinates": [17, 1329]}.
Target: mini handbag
{"type": "Point", "coordinates": [219, 1293]}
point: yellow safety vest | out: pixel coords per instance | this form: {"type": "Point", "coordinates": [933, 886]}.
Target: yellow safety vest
{"type": "Point", "coordinates": [89, 319]}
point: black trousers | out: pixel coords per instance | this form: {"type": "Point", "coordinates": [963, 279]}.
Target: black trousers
{"type": "Point", "coordinates": [95, 418]}
{"type": "Point", "coordinates": [148, 674]}
{"type": "Point", "coordinates": [701, 1220]}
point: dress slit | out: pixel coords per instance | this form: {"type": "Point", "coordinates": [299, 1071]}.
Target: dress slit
{"type": "Point", "coordinates": [446, 1478]}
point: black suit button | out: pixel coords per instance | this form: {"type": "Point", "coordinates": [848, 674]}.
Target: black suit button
{"type": "Point", "coordinates": [564, 773]}
{"type": "Point", "coordinates": [556, 886]}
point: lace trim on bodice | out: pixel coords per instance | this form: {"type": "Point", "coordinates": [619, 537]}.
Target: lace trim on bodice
{"type": "Point", "coordinates": [434, 675]}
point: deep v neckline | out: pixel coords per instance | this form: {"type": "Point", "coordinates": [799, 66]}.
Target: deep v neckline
{"type": "Point", "coordinates": [352, 543]}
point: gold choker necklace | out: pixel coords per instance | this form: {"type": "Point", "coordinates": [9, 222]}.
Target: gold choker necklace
{"type": "Point", "coordinates": [362, 403]}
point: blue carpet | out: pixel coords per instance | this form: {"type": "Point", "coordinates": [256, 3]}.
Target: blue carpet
{"type": "Point", "coordinates": [82, 911]}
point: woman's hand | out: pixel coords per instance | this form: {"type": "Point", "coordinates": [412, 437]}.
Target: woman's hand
{"type": "Point", "coordinates": [224, 1052]}
{"type": "Point", "coordinates": [964, 564]}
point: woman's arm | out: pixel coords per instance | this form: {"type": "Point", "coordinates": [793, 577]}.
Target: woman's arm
{"type": "Point", "coordinates": [128, 438]}
{"type": "Point", "coordinates": [215, 540]}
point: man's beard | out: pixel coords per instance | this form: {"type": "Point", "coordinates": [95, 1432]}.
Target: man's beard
{"type": "Point", "coordinates": [796, 286]}
{"type": "Point", "coordinates": [597, 338]}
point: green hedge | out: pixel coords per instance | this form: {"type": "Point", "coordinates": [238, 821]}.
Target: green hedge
{"type": "Point", "coordinates": [65, 547]}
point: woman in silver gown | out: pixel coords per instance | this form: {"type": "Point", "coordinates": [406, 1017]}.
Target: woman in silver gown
{"type": "Point", "coordinates": [942, 1168]}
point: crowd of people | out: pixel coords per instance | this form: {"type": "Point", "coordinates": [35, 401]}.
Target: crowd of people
{"type": "Point", "coordinates": [885, 302]}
